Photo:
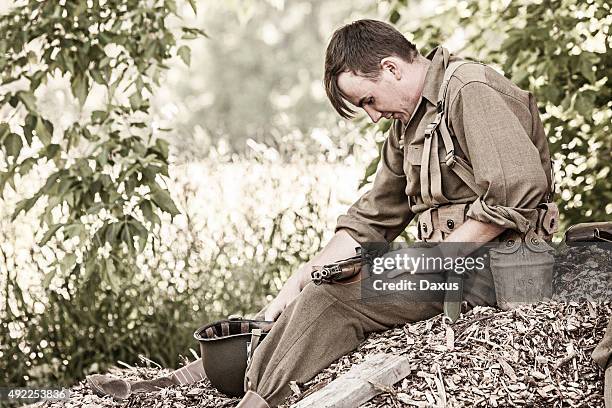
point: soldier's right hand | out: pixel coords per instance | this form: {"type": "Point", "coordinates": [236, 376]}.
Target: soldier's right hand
{"type": "Point", "coordinates": [287, 294]}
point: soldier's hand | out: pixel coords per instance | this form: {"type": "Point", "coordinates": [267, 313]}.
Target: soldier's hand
{"type": "Point", "coordinates": [290, 291]}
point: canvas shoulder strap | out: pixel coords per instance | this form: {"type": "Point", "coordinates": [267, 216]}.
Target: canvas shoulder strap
{"type": "Point", "coordinates": [431, 175]}
{"type": "Point", "coordinates": [463, 170]}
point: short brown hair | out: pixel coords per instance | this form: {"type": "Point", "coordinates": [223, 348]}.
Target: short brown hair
{"type": "Point", "coordinates": [358, 48]}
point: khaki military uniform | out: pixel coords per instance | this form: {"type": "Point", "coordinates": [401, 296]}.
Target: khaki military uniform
{"type": "Point", "coordinates": [603, 356]}
{"type": "Point", "coordinates": [603, 352]}
{"type": "Point", "coordinates": [497, 131]}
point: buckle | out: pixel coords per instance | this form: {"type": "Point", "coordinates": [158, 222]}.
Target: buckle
{"type": "Point", "coordinates": [430, 129]}
{"type": "Point", "coordinates": [450, 159]}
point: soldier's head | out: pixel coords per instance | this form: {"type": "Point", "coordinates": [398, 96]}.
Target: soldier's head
{"type": "Point", "coordinates": [371, 65]}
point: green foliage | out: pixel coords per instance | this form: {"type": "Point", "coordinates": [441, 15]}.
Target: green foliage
{"type": "Point", "coordinates": [104, 198]}
{"type": "Point", "coordinates": [106, 188]}
{"type": "Point", "coordinates": [207, 265]}
{"type": "Point", "coordinates": [560, 51]}
{"type": "Point", "coordinates": [77, 314]}
{"type": "Point", "coordinates": [562, 55]}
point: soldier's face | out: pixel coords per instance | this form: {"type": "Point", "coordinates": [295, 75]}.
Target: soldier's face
{"type": "Point", "coordinates": [389, 96]}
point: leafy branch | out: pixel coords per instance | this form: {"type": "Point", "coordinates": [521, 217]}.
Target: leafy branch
{"type": "Point", "coordinates": [106, 189]}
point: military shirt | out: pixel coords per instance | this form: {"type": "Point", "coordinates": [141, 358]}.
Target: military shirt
{"type": "Point", "coordinates": [496, 128]}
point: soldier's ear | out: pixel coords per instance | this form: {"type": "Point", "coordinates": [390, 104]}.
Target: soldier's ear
{"type": "Point", "coordinates": [391, 64]}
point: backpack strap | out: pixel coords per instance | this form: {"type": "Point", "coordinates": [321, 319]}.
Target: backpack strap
{"type": "Point", "coordinates": [461, 167]}
{"type": "Point", "coordinates": [454, 162]}
{"type": "Point", "coordinates": [431, 175]}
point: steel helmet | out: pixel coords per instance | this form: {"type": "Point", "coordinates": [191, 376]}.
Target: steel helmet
{"type": "Point", "coordinates": [226, 347]}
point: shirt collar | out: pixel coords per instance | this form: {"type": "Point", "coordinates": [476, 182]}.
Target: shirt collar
{"type": "Point", "coordinates": [434, 75]}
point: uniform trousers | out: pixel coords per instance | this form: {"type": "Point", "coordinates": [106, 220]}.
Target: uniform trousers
{"type": "Point", "coordinates": [328, 321]}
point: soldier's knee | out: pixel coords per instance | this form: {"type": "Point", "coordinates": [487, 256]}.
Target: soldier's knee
{"type": "Point", "coordinates": [317, 294]}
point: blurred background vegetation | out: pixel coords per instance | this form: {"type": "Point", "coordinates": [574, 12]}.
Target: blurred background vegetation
{"type": "Point", "coordinates": [258, 164]}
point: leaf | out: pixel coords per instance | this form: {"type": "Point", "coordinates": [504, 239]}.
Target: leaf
{"type": "Point", "coordinates": [135, 100]}
{"type": "Point", "coordinates": [384, 125]}
{"type": "Point", "coordinates": [11, 179]}
{"type": "Point", "coordinates": [99, 116]}
{"type": "Point", "coordinates": [130, 185]}
{"type": "Point", "coordinates": [171, 5]}
{"type": "Point", "coordinates": [150, 48]}
{"type": "Point", "coordinates": [111, 232]}
{"type": "Point", "coordinates": [51, 151]}
{"type": "Point", "coordinates": [97, 76]}
{"type": "Point", "coordinates": [519, 75]}
{"type": "Point", "coordinates": [73, 138]}
{"type": "Point", "coordinates": [192, 3]}
{"type": "Point", "coordinates": [5, 129]}
{"type": "Point", "coordinates": [584, 105]}
{"type": "Point", "coordinates": [113, 279]}
{"type": "Point", "coordinates": [49, 234]}
{"type": "Point", "coordinates": [127, 236]}
{"type": "Point", "coordinates": [63, 186]}
{"type": "Point", "coordinates": [394, 17]}
{"type": "Point", "coordinates": [36, 79]}
{"type": "Point", "coordinates": [44, 130]}
{"type": "Point", "coordinates": [147, 212]}
{"type": "Point", "coordinates": [28, 100]}
{"type": "Point", "coordinates": [51, 182]}
{"type": "Point", "coordinates": [79, 88]}
{"type": "Point", "coordinates": [47, 279]}
{"type": "Point", "coordinates": [192, 33]}
{"type": "Point", "coordinates": [74, 230]}
{"type": "Point", "coordinates": [162, 145]}
{"type": "Point", "coordinates": [586, 69]}
{"type": "Point", "coordinates": [24, 205]}
{"type": "Point", "coordinates": [29, 126]}
{"type": "Point", "coordinates": [13, 100]}
{"type": "Point", "coordinates": [26, 165]}
{"type": "Point", "coordinates": [47, 217]}
{"type": "Point", "coordinates": [185, 53]}
{"type": "Point", "coordinates": [68, 262]}
{"type": "Point", "coordinates": [147, 209]}
{"type": "Point", "coordinates": [162, 199]}
{"type": "Point", "coordinates": [142, 234]}
{"type": "Point", "coordinates": [370, 170]}
{"type": "Point", "coordinates": [13, 145]}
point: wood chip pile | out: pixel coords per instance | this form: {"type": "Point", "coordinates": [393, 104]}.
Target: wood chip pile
{"type": "Point", "coordinates": [534, 356]}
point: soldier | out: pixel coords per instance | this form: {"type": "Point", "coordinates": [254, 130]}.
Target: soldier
{"type": "Point", "coordinates": [496, 134]}
{"type": "Point", "coordinates": [603, 356]}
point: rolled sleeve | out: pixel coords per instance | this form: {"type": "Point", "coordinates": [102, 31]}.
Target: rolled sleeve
{"type": "Point", "coordinates": [383, 212]}
{"type": "Point", "coordinates": [506, 163]}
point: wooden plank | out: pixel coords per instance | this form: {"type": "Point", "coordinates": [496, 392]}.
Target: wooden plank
{"type": "Point", "coordinates": [354, 388]}
{"type": "Point", "coordinates": [189, 374]}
